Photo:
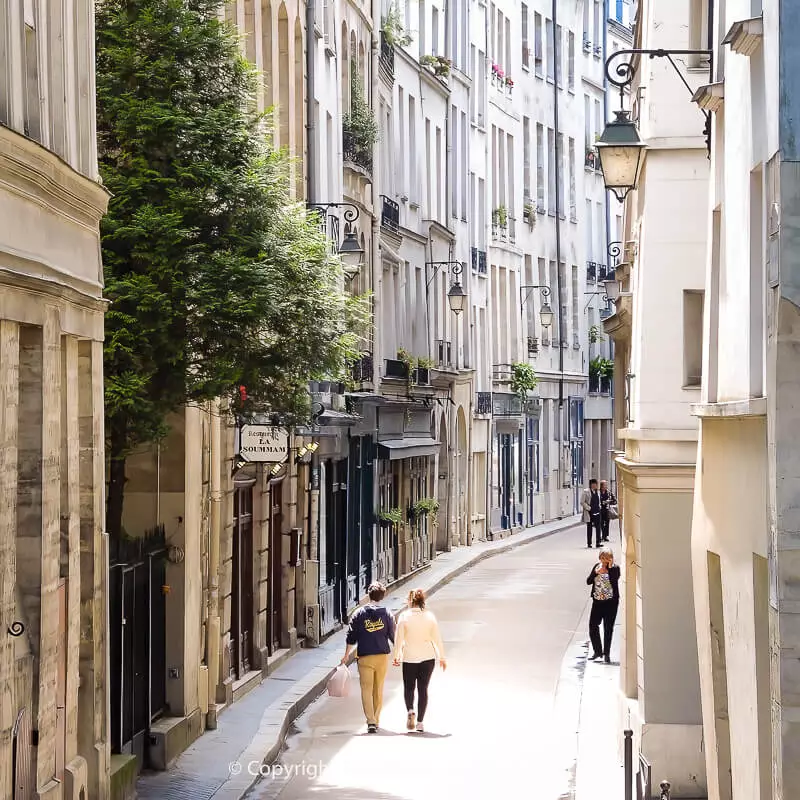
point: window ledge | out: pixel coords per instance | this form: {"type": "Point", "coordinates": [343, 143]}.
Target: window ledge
{"type": "Point", "coordinates": [754, 407]}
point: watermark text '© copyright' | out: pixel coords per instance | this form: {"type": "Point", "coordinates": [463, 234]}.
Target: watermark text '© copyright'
{"type": "Point", "coordinates": [276, 771]}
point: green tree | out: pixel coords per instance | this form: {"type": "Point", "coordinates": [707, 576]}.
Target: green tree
{"type": "Point", "coordinates": [216, 278]}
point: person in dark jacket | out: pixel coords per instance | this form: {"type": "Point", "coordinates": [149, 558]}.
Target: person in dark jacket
{"type": "Point", "coordinates": [370, 632]}
{"type": "Point", "coordinates": [604, 580]}
{"type": "Point", "coordinates": [607, 500]}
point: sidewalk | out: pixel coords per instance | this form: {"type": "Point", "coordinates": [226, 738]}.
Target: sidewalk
{"type": "Point", "coordinates": [254, 728]}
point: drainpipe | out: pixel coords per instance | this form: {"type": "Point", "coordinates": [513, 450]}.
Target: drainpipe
{"type": "Point", "coordinates": [377, 267]}
{"type": "Point", "coordinates": [213, 624]}
{"type": "Point", "coordinates": [311, 123]}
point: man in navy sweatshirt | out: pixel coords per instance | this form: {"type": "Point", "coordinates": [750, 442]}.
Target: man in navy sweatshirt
{"type": "Point", "coordinates": [370, 633]}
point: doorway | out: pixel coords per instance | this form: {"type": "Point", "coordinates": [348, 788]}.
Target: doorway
{"type": "Point", "coordinates": [275, 615]}
{"type": "Point", "coordinates": [242, 589]}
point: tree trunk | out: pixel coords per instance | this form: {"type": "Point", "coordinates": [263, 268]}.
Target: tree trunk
{"type": "Point", "coordinates": [116, 497]}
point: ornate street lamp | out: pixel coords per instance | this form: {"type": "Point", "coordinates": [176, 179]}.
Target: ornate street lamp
{"type": "Point", "coordinates": [620, 149]}
{"type": "Point", "coordinates": [456, 296]}
{"type": "Point", "coordinates": [545, 313]}
{"type": "Point", "coordinates": [349, 249]}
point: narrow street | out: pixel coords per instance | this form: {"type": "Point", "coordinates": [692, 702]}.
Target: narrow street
{"type": "Point", "coordinates": [490, 728]}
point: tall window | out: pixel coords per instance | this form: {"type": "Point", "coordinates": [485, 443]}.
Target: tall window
{"type": "Point", "coordinates": [576, 320]}
{"type": "Point", "coordinates": [692, 338]}
{"type": "Point", "coordinates": [32, 120]}
{"type": "Point", "coordinates": [526, 157]}
{"type": "Point", "coordinates": [562, 175]}
{"type": "Point", "coordinates": [571, 62]}
{"type": "Point", "coordinates": [598, 38]}
{"type": "Point", "coordinates": [587, 121]}
{"type": "Point", "coordinates": [434, 30]}
{"type": "Point", "coordinates": [525, 48]}
{"type": "Point", "coordinates": [564, 302]}
{"type": "Point", "coordinates": [553, 283]}
{"type": "Point", "coordinates": [538, 49]}
{"type": "Point", "coordinates": [452, 160]}
{"type": "Point", "coordinates": [464, 165]}
{"type": "Point", "coordinates": [551, 171]}
{"type": "Point", "coordinates": [422, 38]}
{"type": "Point", "coordinates": [540, 203]}
{"type": "Point", "coordinates": [413, 184]}
{"type": "Point", "coordinates": [573, 208]}
{"type": "Point", "coordinates": [699, 38]}
{"type": "Point", "coordinates": [559, 56]}
{"type": "Point", "coordinates": [551, 64]}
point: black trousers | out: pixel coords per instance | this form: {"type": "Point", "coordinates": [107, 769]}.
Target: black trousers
{"type": "Point", "coordinates": [606, 523]}
{"type": "Point", "coordinates": [595, 523]}
{"type": "Point", "coordinates": [417, 675]}
{"type": "Point", "coordinates": [604, 611]}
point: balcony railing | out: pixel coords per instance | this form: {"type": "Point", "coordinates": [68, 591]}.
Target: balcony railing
{"type": "Point", "coordinates": [603, 272]}
{"type": "Point", "coordinates": [390, 215]}
{"type": "Point", "coordinates": [483, 403]}
{"type": "Point", "coordinates": [533, 345]}
{"type": "Point", "coordinates": [355, 151]}
{"type": "Point", "coordinates": [444, 352]}
{"type": "Point", "coordinates": [387, 58]}
{"type": "Point", "coordinates": [591, 272]}
{"type": "Point", "coordinates": [479, 261]}
{"type": "Point", "coordinates": [599, 385]}
{"type": "Point", "coordinates": [363, 369]}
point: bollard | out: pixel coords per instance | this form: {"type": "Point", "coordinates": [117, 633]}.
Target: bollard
{"type": "Point", "coordinates": [665, 790]}
{"type": "Point", "coordinates": [628, 754]}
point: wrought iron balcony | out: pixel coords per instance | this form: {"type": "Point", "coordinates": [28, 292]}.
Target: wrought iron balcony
{"type": "Point", "coordinates": [591, 272]}
{"type": "Point", "coordinates": [390, 215]}
{"type": "Point", "coordinates": [387, 59]}
{"type": "Point", "coordinates": [355, 151]}
{"type": "Point", "coordinates": [483, 403]}
{"type": "Point", "coordinates": [533, 345]}
{"type": "Point", "coordinates": [479, 261]}
{"type": "Point", "coordinates": [603, 272]}
{"type": "Point", "coordinates": [363, 369]}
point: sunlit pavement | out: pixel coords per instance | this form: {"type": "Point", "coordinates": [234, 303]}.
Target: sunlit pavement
{"type": "Point", "coordinates": [491, 730]}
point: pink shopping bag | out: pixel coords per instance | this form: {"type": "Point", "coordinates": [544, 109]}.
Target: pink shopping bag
{"type": "Point", "coordinates": [339, 683]}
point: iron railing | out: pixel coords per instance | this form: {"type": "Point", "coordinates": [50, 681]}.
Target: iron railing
{"type": "Point", "coordinates": [390, 215]}
{"type": "Point", "coordinates": [444, 351]}
{"type": "Point", "coordinates": [387, 58]}
{"type": "Point", "coordinates": [591, 272]}
{"type": "Point", "coordinates": [363, 369]}
{"type": "Point", "coordinates": [355, 151]}
{"type": "Point", "coordinates": [483, 403]}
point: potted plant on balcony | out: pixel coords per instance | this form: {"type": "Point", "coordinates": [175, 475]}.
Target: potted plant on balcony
{"type": "Point", "coordinates": [422, 372]}
{"type": "Point", "coordinates": [387, 519]}
{"type": "Point", "coordinates": [509, 84]}
{"type": "Point", "coordinates": [529, 213]}
{"type": "Point", "coordinates": [439, 65]}
{"type": "Point", "coordinates": [595, 336]}
{"type": "Point", "coordinates": [497, 74]}
{"type": "Point", "coordinates": [426, 506]}
{"type": "Point", "coordinates": [523, 379]}
{"type": "Point", "coordinates": [359, 126]}
{"type": "Point", "coordinates": [393, 30]}
{"type": "Point", "coordinates": [500, 217]}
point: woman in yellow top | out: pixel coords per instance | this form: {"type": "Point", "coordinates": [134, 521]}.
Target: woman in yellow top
{"type": "Point", "coordinates": [417, 644]}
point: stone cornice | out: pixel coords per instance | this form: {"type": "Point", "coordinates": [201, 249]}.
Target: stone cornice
{"type": "Point", "coordinates": [754, 407]}
{"type": "Point", "coordinates": [655, 477]}
{"type": "Point", "coordinates": [33, 172]}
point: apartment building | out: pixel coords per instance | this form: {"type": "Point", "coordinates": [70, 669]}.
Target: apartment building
{"type": "Point", "coordinates": [54, 673]}
{"type": "Point", "coordinates": [656, 330]}
{"type": "Point", "coordinates": [745, 552]}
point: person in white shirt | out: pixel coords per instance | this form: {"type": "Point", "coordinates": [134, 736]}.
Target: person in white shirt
{"type": "Point", "coordinates": [417, 644]}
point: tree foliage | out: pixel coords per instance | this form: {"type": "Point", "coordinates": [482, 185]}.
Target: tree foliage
{"type": "Point", "coordinates": [216, 277]}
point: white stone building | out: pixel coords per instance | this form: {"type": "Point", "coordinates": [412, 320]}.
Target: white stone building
{"type": "Point", "coordinates": [745, 525]}
{"type": "Point", "coordinates": [657, 333]}
{"type": "Point", "coordinates": [54, 676]}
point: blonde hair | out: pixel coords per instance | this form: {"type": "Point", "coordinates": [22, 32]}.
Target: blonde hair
{"type": "Point", "coordinates": [416, 598]}
{"type": "Point", "coordinates": [607, 551]}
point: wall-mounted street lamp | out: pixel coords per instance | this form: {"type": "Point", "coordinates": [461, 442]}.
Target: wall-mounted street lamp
{"type": "Point", "coordinates": [349, 249]}
{"type": "Point", "coordinates": [456, 297]}
{"type": "Point", "coordinates": [545, 312]}
{"type": "Point", "coordinates": [620, 150]}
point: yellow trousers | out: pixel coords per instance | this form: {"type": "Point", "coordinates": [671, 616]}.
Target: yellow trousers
{"type": "Point", "coordinates": [371, 675]}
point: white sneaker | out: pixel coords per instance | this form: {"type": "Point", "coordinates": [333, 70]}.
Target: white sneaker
{"type": "Point", "coordinates": [411, 721]}
{"type": "Point", "coordinates": [420, 727]}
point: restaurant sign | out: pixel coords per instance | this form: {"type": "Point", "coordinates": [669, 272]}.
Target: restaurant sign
{"type": "Point", "coordinates": [263, 444]}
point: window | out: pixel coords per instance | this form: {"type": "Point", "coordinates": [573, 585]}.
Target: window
{"type": "Point", "coordinates": [564, 302]}
{"type": "Point", "coordinates": [587, 121]}
{"type": "Point", "coordinates": [428, 165]}
{"type": "Point", "coordinates": [413, 184]}
{"type": "Point", "coordinates": [559, 56]}
{"type": "Point", "coordinates": [589, 233]}
{"type": "Point", "coordinates": [576, 320]}
{"type": "Point", "coordinates": [452, 160]}
{"type": "Point", "coordinates": [538, 51]}
{"type": "Point", "coordinates": [539, 166]}
{"type": "Point", "coordinates": [699, 38]}
{"type": "Point", "coordinates": [598, 38]}
{"type": "Point", "coordinates": [551, 171]}
{"type": "Point", "coordinates": [422, 37]}
{"type": "Point", "coordinates": [473, 100]}
{"type": "Point", "coordinates": [587, 34]}
{"type": "Point", "coordinates": [551, 64]}
{"type": "Point", "coordinates": [525, 49]}
{"type": "Point", "coordinates": [692, 338]}
{"type": "Point", "coordinates": [553, 284]}
{"type": "Point", "coordinates": [464, 165]}
{"type": "Point", "coordinates": [435, 31]}
{"type": "Point", "coordinates": [32, 120]}
{"type": "Point", "coordinates": [571, 62]}
{"type": "Point", "coordinates": [526, 158]}
{"type": "Point", "coordinates": [509, 62]}
{"type": "Point", "coordinates": [573, 208]}
{"type": "Point", "coordinates": [561, 176]}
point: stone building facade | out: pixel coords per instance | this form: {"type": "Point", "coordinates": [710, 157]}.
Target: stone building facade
{"type": "Point", "coordinates": [53, 579]}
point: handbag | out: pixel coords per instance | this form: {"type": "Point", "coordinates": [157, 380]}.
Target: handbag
{"type": "Point", "coordinates": [339, 682]}
{"type": "Point", "coordinates": [613, 512]}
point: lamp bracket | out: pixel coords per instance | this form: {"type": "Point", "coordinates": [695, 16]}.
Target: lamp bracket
{"type": "Point", "coordinates": [530, 287]}
{"type": "Point", "coordinates": [329, 223]}
{"type": "Point", "coordinates": [453, 267]}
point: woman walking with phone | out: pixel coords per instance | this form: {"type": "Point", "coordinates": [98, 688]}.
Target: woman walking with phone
{"type": "Point", "coordinates": [417, 645]}
{"type": "Point", "coordinates": [604, 580]}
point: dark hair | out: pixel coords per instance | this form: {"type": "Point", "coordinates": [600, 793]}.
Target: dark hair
{"type": "Point", "coordinates": [417, 598]}
{"type": "Point", "coordinates": [376, 592]}
{"type": "Point", "coordinates": [593, 481]}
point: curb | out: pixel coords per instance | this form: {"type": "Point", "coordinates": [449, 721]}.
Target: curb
{"type": "Point", "coordinates": [265, 747]}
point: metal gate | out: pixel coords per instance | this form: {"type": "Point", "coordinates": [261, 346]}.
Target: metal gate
{"type": "Point", "coordinates": [137, 618]}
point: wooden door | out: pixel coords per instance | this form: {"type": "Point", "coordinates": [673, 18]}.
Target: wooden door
{"type": "Point", "coordinates": [242, 584]}
{"type": "Point", "coordinates": [275, 616]}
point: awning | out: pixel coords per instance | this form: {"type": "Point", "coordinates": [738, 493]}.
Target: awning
{"type": "Point", "coordinates": [397, 449]}
{"type": "Point", "coordinates": [338, 418]}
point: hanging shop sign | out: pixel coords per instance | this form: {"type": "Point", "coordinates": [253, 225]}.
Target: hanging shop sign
{"type": "Point", "coordinates": [263, 444]}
